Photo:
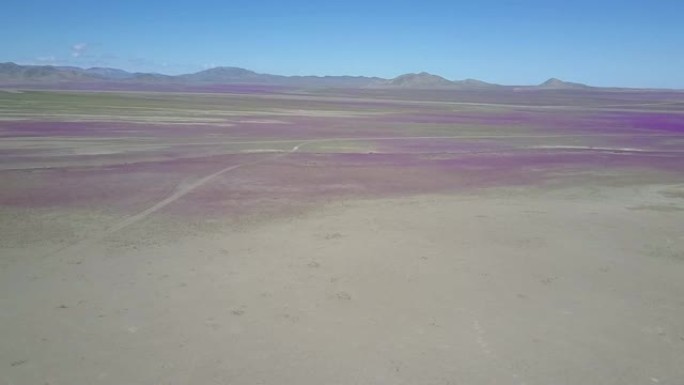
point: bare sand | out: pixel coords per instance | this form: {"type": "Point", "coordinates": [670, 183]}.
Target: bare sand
{"type": "Point", "coordinates": [508, 286]}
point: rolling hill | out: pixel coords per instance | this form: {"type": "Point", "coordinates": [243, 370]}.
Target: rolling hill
{"type": "Point", "coordinates": [12, 74]}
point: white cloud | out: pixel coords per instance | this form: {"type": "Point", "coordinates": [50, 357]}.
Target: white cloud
{"type": "Point", "coordinates": [79, 49]}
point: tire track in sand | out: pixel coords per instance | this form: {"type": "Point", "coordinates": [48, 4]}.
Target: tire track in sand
{"type": "Point", "coordinates": [185, 190]}
{"type": "Point", "coordinates": [179, 193]}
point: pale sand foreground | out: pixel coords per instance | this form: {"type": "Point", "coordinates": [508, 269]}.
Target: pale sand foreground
{"type": "Point", "coordinates": [566, 287]}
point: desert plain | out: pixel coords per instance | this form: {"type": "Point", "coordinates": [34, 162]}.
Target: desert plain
{"type": "Point", "coordinates": [271, 236]}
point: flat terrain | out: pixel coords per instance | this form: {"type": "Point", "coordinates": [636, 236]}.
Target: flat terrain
{"type": "Point", "coordinates": [342, 237]}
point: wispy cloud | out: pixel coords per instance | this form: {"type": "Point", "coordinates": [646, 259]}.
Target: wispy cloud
{"type": "Point", "coordinates": [79, 49]}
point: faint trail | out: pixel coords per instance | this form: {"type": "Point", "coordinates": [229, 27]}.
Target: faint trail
{"type": "Point", "coordinates": [481, 340]}
{"type": "Point", "coordinates": [168, 200]}
{"type": "Point", "coordinates": [487, 350]}
{"type": "Point", "coordinates": [182, 192]}
{"type": "Point", "coordinates": [179, 193]}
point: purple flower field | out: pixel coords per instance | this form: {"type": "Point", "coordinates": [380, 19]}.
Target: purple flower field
{"type": "Point", "coordinates": [295, 151]}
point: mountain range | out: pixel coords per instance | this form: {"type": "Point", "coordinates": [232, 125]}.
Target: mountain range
{"type": "Point", "coordinates": [16, 74]}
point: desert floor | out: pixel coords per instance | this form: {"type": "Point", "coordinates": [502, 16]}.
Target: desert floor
{"type": "Point", "coordinates": [159, 238]}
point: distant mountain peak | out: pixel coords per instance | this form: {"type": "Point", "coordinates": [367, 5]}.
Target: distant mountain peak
{"type": "Point", "coordinates": [223, 74]}
{"type": "Point", "coordinates": [421, 76]}
{"type": "Point", "coordinates": [228, 70]}
{"type": "Point", "coordinates": [555, 83]}
{"type": "Point", "coordinates": [108, 73]}
{"type": "Point", "coordinates": [419, 80]}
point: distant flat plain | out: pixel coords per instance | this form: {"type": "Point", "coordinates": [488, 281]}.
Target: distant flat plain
{"type": "Point", "coordinates": [342, 237]}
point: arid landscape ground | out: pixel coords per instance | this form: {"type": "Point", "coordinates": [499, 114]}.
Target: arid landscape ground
{"type": "Point", "coordinates": [366, 236]}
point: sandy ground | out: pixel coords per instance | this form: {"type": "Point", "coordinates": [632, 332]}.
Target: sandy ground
{"type": "Point", "coordinates": [510, 286]}
{"type": "Point", "coordinates": [361, 238]}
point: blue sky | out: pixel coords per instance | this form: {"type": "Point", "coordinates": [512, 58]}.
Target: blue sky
{"type": "Point", "coordinates": [609, 43]}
